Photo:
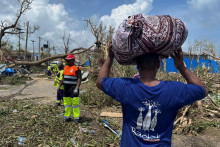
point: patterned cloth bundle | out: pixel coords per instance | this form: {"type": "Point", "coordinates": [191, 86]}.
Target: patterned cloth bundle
{"type": "Point", "coordinates": [160, 34]}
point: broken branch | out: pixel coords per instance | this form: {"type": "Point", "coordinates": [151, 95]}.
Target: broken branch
{"type": "Point", "coordinates": [46, 59]}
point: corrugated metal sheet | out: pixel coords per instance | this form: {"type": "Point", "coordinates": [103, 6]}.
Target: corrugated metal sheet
{"type": "Point", "coordinates": [211, 64]}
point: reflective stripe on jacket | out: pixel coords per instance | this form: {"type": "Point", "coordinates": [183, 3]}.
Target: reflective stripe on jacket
{"type": "Point", "coordinates": [70, 77]}
{"type": "Point", "coordinates": [48, 68]}
{"type": "Point", "coordinates": [58, 79]}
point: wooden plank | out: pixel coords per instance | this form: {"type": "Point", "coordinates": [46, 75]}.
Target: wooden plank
{"type": "Point", "coordinates": [111, 114]}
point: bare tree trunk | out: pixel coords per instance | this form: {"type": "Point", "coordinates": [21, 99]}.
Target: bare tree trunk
{"type": "Point", "coordinates": [25, 58]}
{"type": "Point", "coordinates": [66, 43]}
{"type": "Point", "coordinates": [39, 62]}
{"type": "Point", "coordinates": [39, 48]}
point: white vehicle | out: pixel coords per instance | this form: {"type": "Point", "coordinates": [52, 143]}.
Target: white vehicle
{"type": "Point", "coordinates": [54, 62]}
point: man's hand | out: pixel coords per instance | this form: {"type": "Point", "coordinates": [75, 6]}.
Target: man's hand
{"type": "Point", "coordinates": [178, 59]}
{"type": "Point", "coordinates": [105, 69]}
{"type": "Point", "coordinates": [189, 76]}
{"type": "Point", "coordinates": [110, 51]}
{"type": "Point", "coordinates": [76, 91]}
{"type": "Point", "coordinates": [58, 89]}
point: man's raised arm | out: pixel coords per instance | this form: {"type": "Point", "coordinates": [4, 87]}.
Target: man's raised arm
{"type": "Point", "coordinates": [189, 76]}
{"type": "Point", "coordinates": [105, 69]}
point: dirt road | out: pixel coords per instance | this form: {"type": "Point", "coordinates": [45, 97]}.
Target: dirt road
{"type": "Point", "coordinates": [42, 90]}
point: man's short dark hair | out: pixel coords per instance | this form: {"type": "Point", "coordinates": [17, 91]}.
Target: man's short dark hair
{"type": "Point", "coordinates": [148, 61]}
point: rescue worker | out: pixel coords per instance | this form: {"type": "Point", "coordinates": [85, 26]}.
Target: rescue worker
{"type": "Point", "coordinates": [49, 73]}
{"type": "Point", "coordinates": [57, 82]}
{"type": "Point", "coordinates": [55, 68]}
{"type": "Point", "coordinates": [71, 81]}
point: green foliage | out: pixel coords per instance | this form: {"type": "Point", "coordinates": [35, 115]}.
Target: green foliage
{"type": "Point", "coordinates": [208, 78]}
{"type": "Point", "coordinates": [7, 48]}
{"type": "Point", "coordinates": [201, 127]}
{"type": "Point", "coordinates": [35, 69]}
{"type": "Point", "coordinates": [13, 80]}
{"type": "Point", "coordinates": [95, 97]}
{"type": "Point", "coordinates": [123, 70]}
{"type": "Point", "coordinates": [44, 125]}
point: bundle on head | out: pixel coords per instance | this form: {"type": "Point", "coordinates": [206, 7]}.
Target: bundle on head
{"type": "Point", "coordinates": [161, 34]}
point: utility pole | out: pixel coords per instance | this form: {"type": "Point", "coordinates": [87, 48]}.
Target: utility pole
{"type": "Point", "coordinates": [26, 41]}
{"type": "Point", "coordinates": [19, 42]}
{"type": "Point", "coordinates": [48, 43]}
{"type": "Point", "coordinates": [54, 50]}
{"type": "Point", "coordinates": [39, 48]}
{"type": "Point", "coordinates": [33, 49]}
{"type": "Point", "coordinates": [19, 45]}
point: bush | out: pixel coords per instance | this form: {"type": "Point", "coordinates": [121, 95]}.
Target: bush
{"type": "Point", "coordinates": [35, 69]}
{"type": "Point", "coordinates": [13, 80]}
{"type": "Point", "coordinates": [93, 96]}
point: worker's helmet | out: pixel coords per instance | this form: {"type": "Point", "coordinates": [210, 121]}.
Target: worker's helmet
{"type": "Point", "coordinates": [70, 56]}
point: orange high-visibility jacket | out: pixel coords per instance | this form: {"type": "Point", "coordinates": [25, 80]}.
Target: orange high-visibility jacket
{"type": "Point", "coordinates": [69, 75]}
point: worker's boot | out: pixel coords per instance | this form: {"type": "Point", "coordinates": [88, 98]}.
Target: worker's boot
{"type": "Point", "coordinates": [77, 120]}
{"type": "Point", "coordinates": [58, 103]}
{"type": "Point", "coordinates": [67, 119]}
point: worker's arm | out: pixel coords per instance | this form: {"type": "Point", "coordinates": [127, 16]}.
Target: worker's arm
{"type": "Point", "coordinates": [61, 83]}
{"type": "Point", "coordinates": [79, 76]}
{"type": "Point", "coordinates": [105, 69]}
{"type": "Point", "coordinates": [78, 82]}
{"type": "Point", "coordinates": [189, 76]}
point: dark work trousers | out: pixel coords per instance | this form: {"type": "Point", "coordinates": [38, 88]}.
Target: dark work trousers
{"type": "Point", "coordinates": [60, 95]}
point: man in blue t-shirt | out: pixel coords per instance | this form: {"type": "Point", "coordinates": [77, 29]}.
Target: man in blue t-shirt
{"type": "Point", "coordinates": [149, 105]}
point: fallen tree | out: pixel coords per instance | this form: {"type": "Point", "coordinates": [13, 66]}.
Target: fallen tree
{"type": "Point", "coordinates": [38, 63]}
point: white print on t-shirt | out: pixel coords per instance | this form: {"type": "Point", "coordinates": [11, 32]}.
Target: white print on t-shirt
{"type": "Point", "coordinates": [147, 123]}
{"type": "Point", "coordinates": [154, 120]}
{"type": "Point", "coordinates": [140, 118]}
{"type": "Point", "coordinates": [146, 137]}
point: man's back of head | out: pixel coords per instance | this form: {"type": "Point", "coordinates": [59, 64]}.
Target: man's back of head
{"type": "Point", "coordinates": [148, 61]}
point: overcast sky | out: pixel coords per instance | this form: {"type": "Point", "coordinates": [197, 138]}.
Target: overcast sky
{"type": "Point", "coordinates": [55, 17]}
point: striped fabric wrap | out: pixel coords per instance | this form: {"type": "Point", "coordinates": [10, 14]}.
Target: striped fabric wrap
{"type": "Point", "coordinates": [160, 34]}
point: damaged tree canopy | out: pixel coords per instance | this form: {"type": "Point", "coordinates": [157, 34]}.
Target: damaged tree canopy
{"type": "Point", "coordinates": [9, 28]}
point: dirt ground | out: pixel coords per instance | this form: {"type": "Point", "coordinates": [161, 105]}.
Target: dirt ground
{"type": "Point", "coordinates": [40, 90]}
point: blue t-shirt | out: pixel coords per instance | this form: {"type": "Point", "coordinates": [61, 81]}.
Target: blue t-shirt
{"type": "Point", "coordinates": [149, 112]}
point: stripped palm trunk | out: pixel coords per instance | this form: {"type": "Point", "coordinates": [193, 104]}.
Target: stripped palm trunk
{"type": "Point", "coordinates": [154, 120]}
{"type": "Point", "coordinates": [140, 118]}
{"type": "Point", "coordinates": [147, 119]}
